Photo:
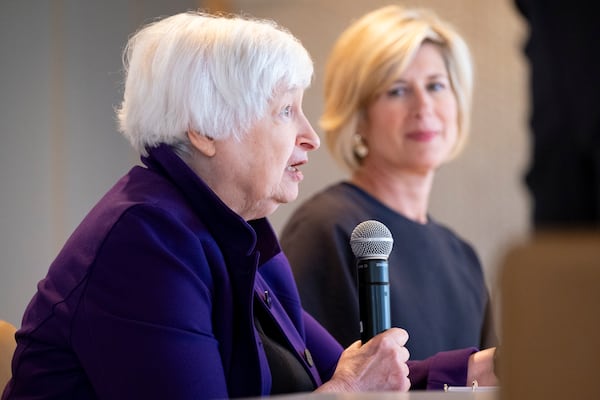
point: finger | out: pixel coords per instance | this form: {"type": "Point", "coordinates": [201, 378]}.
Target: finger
{"type": "Point", "coordinates": [405, 384]}
{"type": "Point", "coordinates": [405, 370]}
{"type": "Point", "coordinates": [404, 354]}
{"type": "Point", "coordinates": [397, 336]}
{"type": "Point", "coordinates": [355, 345]}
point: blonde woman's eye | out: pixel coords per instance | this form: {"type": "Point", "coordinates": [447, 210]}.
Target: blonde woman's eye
{"type": "Point", "coordinates": [436, 86]}
{"type": "Point", "coordinates": [399, 91]}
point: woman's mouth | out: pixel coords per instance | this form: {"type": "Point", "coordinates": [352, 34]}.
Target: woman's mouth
{"type": "Point", "coordinates": [294, 170]}
{"type": "Point", "coordinates": [422, 136]}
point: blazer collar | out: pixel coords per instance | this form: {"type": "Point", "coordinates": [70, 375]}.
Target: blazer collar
{"type": "Point", "coordinates": [222, 222]}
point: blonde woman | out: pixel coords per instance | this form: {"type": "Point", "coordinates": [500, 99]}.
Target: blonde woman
{"type": "Point", "coordinates": [398, 89]}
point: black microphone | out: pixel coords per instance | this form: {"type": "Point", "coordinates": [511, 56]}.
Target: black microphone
{"type": "Point", "coordinates": [371, 243]}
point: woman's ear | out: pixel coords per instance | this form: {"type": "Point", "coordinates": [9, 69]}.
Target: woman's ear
{"type": "Point", "coordinates": [204, 144]}
{"type": "Point", "coordinates": [361, 123]}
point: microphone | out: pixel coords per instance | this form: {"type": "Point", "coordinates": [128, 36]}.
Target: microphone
{"type": "Point", "coordinates": [371, 243]}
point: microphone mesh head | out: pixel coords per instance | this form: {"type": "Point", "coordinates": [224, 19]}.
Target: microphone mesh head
{"type": "Point", "coordinates": [371, 239]}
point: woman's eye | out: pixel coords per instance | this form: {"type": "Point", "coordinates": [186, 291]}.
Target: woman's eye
{"type": "Point", "coordinates": [436, 86]}
{"type": "Point", "coordinates": [398, 92]}
{"type": "Point", "coordinates": [287, 111]}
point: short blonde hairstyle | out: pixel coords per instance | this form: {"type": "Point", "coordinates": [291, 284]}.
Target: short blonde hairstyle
{"type": "Point", "coordinates": [213, 74]}
{"type": "Point", "coordinates": [368, 57]}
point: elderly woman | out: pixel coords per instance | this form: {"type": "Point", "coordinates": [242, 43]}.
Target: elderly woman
{"type": "Point", "coordinates": [174, 286]}
{"type": "Point", "coordinates": [397, 106]}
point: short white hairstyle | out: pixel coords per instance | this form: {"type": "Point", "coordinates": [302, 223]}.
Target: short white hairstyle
{"type": "Point", "coordinates": [213, 74]}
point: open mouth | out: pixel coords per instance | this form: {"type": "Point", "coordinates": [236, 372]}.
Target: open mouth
{"type": "Point", "coordinates": [294, 167]}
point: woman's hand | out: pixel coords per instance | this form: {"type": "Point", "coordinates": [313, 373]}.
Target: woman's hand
{"type": "Point", "coordinates": [378, 365]}
{"type": "Point", "coordinates": [481, 368]}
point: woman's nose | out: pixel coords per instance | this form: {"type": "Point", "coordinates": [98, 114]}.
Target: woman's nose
{"type": "Point", "coordinates": [308, 138]}
{"type": "Point", "coordinates": [423, 102]}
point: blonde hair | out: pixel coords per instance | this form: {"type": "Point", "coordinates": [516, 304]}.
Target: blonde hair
{"type": "Point", "coordinates": [367, 58]}
{"type": "Point", "coordinates": [214, 74]}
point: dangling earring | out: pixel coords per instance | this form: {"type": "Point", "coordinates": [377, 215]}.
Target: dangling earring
{"type": "Point", "coordinates": [360, 147]}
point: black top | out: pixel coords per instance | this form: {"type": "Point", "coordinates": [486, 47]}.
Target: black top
{"type": "Point", "coordinates": [437, 288]}
{"type": "Point", "coordinates": [287, 373]}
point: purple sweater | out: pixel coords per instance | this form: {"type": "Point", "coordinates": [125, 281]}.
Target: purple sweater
{"type": "Point", "coordinates": [151, 298]}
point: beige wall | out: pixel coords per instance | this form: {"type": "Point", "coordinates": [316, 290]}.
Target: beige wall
{"type": "Point", "coordinates": [59, 150]}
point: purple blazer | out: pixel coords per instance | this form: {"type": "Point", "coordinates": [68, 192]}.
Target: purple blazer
{"type": "Point", "coordinates": [151, 297]}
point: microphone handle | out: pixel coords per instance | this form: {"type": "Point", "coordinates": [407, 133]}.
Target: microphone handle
{"type": "Point", "coordinates": [373, 297]}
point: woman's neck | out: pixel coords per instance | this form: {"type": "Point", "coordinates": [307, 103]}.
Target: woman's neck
{"type": "Point", "coordinates": [405, 193]}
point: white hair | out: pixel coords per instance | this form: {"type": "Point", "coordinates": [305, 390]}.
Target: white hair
{"type": "Point", "coordinates": [213, 74]}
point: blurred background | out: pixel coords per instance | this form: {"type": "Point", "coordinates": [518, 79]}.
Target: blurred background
{"type": "Point", "coordinates": [60, 74]}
